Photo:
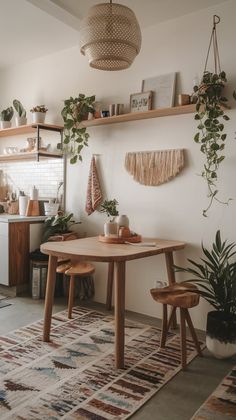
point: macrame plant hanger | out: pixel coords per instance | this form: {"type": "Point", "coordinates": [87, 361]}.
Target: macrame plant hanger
{"type": "Point", "coordinates": [214, 44]}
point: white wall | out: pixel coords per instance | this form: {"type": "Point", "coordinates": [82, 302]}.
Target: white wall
{"type": "Point", "coordinates": [172, 210]}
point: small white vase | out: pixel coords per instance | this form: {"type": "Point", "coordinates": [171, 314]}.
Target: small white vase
{"type": "Point", "coordinates": [122, 220]}
{"type": "Point", "coordinates": [23, 202]}
{"type": "Point", "coordinates": [20, 121]}
{"type": "Point", "coordinates": [111, 229]}
{"type": "Point", "coordinates": [5, 124]}
{"type": "Point", "coordinates": [38, 117]}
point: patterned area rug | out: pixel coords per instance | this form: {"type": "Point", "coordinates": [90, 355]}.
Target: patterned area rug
{"type": "Point", "coordinates": [221, 405]}
{"type": "Point", "coordinates": [73, 377]}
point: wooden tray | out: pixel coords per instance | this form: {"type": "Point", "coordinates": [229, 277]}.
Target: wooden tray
{"type": "Point", "coordinates": [114, 240]}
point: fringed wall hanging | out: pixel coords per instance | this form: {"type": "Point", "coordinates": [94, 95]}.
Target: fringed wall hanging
{"type": "Point", "coordinates": [155, 167]}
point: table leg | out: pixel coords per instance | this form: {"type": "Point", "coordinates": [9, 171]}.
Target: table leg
{"type": "Point", "coordinates": [171, 278]}
{"type": "Point", "coordinates": [51, 280]}
{"type": "Point", "coordinates": [110, 284]}
{"type": "Point", "coordinates": [119, 314]}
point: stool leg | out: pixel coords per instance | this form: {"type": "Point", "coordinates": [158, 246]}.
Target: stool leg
{"type": "Point", "coordinates": [71, 296]}
{"type": "Point", "coordinates": [193, 332]}
{"type": "Point", "coordinates": [172, 317]}
{"type": "Point", "coordinates": [164, 326]}
{"type": "Point", "coordinates": [183, 338]}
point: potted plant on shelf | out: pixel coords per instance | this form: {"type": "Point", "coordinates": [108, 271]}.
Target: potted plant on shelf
{"type": "Point", "coordinates": [216, 277]}
{"type": "Point", "coordinates": [39, 114]}
{"type": "Point", "coordinates": [58, 227]}
{"type": "Point", "coordinates": [76, 137]}
{"type": "Point", "coordinates": [5, 117]}
{"type": "Point", "coordinates": [21, 117]}
{"type": "Point", "coordinates": [109, 207]}
{"type": "Point", "coordinates": [210, 115]}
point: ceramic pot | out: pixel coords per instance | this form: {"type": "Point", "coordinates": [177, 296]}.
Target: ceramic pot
{"type": "Point", "coordinates": [20, 121]}
{"type": "Point", "coordinates": [23, 202]}
{"type": "Point", "coordinates": [221, 334]}
{"type": "Point", "coordinates": [111, 229]}
{"type": "Point", "coordinates": [38, 117]}
{"type": "Point", "coordinates": [5, 124]}
{"type": "Point", "coordinates": [122, 220]}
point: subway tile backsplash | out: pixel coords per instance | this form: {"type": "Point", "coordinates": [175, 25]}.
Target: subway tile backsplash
{"type": "Point", "coordinates": [46, 175]}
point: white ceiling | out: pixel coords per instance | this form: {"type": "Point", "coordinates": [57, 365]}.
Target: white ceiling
{"type": "Point", "coordinates": [34, 28]}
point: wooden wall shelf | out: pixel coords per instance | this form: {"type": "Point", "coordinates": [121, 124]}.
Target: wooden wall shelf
{"type": "Point", "coordinates": [134, 116]}
{"type": "Point", "coordinates": [30, 156]}
{"type": "Point", "coordinates": [29, 128]}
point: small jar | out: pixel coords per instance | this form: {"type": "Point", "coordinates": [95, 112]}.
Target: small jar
{"type": "Point", "coordinates": [122, 220]}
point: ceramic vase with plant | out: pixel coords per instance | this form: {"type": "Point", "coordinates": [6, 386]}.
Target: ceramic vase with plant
{"type": "Point", "coordinates": [21, 117]}
{"type": "Point", "coordinates": [39, 114]}
{"type": "Point", "coordinates": [5, 117]}
{"type": "Point", "coordinates": [75, 136]}
{"type": "Point", "coordinates": [215, 275]}
{"type": "Point", "coordinates": [109, 207]}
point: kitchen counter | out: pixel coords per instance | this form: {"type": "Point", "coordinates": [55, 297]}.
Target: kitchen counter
{"type": "Point", "coordinates": [10, 218]}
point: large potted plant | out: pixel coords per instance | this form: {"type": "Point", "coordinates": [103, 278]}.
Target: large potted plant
{"type": "Point", "coordinates": [76, 137]}
{"type": "Point", "coordinates": [21, 117]}
{"type": "Point", "coordinates": [110, 208]}
{"type": "Point", "coordinates": [215, 275]}
{"type": "Point", "coordinates": [5, 117]}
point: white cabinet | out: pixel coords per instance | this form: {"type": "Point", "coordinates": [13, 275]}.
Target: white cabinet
{"type": "Point", "coordinates": [4, 254]}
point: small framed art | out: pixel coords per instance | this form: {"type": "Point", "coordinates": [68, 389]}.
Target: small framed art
{"type": "Point", "coordinates": [140, 102]}
{"type": "Point", "coordinates": [163, 88]}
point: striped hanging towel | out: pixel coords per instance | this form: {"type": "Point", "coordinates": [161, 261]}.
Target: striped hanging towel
{"type": "Point", "coordinates": [94, 193]}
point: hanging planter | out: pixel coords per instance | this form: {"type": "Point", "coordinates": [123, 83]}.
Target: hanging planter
{"type": "Point", "coordinates": [211, 116]}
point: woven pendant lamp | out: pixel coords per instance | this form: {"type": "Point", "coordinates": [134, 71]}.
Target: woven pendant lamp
{"type": "Point", "coordinates": [110, 36]}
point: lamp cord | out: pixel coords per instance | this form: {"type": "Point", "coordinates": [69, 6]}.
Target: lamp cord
{"type": "Point", "coordinates": [213, 41]}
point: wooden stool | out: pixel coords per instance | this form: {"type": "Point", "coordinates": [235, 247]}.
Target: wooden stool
{"type": "Point", "coordinates": [79, 269]}
{"type": "Point", "coordinates": [182, 296]}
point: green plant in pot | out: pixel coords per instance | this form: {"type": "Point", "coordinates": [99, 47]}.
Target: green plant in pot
{"type": "Point", "coordinates": [6, 117]}
{"type": "Point", "coordinates": [75, 136]}
{"type": "Point", "coordinates": [21, 117]}
{"type": "Point", "coordinates": [39, 114]}
{"type": "Point", "coordinates": [57, 225]}
{"type": "Point", "coordinates": [211, 117]}
{"type": "Point", "coordinates": [110, 208]}
{"type": "Point", "coordinates": [215, 275]}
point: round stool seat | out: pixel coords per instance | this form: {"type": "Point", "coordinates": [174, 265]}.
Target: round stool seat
{"type": "Point", "coordinates": [180, 295]}
{"type": "Point", "coordinates": [80, 269]}
{"type": "Point", "coordinates": [62, 268]}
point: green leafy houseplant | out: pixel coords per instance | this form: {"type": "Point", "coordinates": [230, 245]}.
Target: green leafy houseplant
{"type": "Point", "coordinates": [39, 108]}
{"type": "Point", "coordinates": [19, 108]}
{"type": "Point", "coordinates": [6, 114]}
{"type": "Point", "coordinates": [76, 137]}
{"type": "Point", "coordinates": [109, 207]}
{"type": "Point", "coordinates": [215, 275]}
{"type": "Point", "coordinates": [211, 136]}
{"type": "Point", "coordinates": [58, 224]}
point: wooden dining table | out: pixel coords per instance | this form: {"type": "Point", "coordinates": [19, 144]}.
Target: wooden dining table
{"type": "Point", "coordinates": [91, 249]}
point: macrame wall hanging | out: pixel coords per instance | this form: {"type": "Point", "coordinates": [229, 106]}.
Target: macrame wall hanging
{"type": "Point", "coordinates": [155, 167]}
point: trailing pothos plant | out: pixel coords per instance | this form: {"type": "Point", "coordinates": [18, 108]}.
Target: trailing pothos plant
{"type": "Point", "coordinates": [75, 136]}
{"type": "Point", "coordinates": [210, 114]}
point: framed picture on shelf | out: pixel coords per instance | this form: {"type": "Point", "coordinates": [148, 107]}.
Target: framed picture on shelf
{"type": "Point", "coordinates": [140, 102]}
{"type": "Point", "coordinates": [163, 88]}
